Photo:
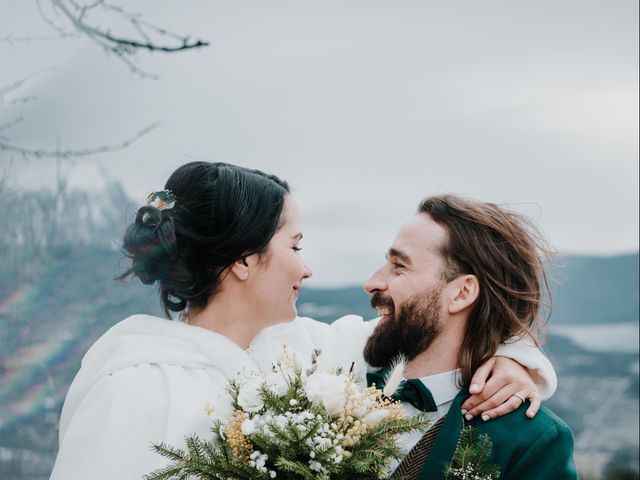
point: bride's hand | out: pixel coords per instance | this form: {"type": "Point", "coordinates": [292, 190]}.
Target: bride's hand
{"type": "Point", "coordinates": [498, 387]}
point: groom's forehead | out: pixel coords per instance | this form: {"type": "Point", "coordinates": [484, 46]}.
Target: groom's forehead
{"type": "Point", "coordinates": [419, 237]}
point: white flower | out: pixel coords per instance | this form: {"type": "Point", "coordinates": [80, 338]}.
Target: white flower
{"type": "Point", "coordinates": [249, 395]}
{"type": "Point", "coordinates": [373, 418]}
{"type": "Point", "coordinates": [248, 427]}
{"type": "Point", "coordinates": [277, 383]}
{"type": "Point", "coordinates": [221, 409]}
{"type": "Point", "coordinates": [327, 389]}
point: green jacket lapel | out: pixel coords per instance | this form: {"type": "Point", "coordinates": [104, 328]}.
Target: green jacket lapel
{"type": "Point", "coordinates": [445, 445]}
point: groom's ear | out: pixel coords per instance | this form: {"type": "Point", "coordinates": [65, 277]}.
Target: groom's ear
{"type": "Point", "coordinates": [465, 294]}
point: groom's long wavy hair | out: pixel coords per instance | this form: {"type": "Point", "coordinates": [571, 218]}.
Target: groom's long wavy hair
{"type": "Point", "coordinates": [507, 253]}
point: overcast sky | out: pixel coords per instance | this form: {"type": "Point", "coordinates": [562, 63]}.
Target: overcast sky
{"type": "Point", "coordinates": [363, 106]}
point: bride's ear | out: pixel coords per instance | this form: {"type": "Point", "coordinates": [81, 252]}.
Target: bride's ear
{"type": "Point", "coordinates": [240, 268]}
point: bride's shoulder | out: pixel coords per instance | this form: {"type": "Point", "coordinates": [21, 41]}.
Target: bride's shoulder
{"type": "Point", "coordinates": [146, 339]}
{"type": "Point", "coordinates": [138, 322]}
{"type": "Point", "coordinates": [347, 325]}
{"type": "Point", "coordinates": [134, 326]}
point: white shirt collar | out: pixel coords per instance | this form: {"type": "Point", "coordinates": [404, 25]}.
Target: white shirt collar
{"type": "Point", "coordinates": [443, 386]}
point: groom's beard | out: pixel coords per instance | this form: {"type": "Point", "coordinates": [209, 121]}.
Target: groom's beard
{"type": "Point", "coordinates": [409, 331]}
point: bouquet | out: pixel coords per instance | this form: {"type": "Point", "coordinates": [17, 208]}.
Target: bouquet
{"type": "Point", "coordinates": [297, 424]}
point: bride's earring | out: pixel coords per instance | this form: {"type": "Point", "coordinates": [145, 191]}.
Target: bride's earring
{"type": "Point", "coordinates": [246, 275]}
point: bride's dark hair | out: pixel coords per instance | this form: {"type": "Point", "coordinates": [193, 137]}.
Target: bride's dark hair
{"type": "Point", "coordinates": [222, 213]}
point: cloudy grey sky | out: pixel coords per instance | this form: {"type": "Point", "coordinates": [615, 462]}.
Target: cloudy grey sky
{"type": "Point", "coordinates": [364, 107]}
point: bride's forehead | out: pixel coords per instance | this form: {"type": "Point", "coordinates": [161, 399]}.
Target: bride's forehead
{"type": "Point", "coordinates": [290, 213]}
{"type": "Point", "coordinates": [289, 225]}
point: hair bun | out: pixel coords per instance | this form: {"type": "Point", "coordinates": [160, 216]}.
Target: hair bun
{"type": "Point", "coordinates": [151, 242]}
{"type": "Point", "coordinates": [149, 216]}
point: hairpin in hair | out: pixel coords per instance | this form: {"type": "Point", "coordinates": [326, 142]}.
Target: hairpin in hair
{"type": "Point", "coordinates": [162, 200]}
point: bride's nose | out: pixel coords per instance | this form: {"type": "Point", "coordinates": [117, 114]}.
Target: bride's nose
{"type": "Point", "coordinates": [306, 273]}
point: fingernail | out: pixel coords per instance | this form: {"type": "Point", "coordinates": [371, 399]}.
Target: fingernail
{"type": "Point", "coordinates": [474, 388]}
{"type": "Point", "coordinates": [530, 413]}
{"type": "Point", "coordinates": [485, 418]}
{"type": "Point", "coordinates": [468, 416]}
{"type": "Point", "coordinates": [464, 412]}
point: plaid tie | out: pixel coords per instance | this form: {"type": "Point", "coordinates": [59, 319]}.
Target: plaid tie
{"type": "Point", "coordinates": [411, 466]}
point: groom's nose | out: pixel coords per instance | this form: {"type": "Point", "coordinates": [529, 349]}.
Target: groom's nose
{"type": "Point", "coordinates": [376, 283]}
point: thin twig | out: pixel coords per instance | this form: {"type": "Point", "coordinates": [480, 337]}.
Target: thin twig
{"type": "Point", "coordinates": [11, 39]}
{"type": "Point", "coordinates": [19, 101]}
{"type": "Point", "coordinates": [11, 123]}
{"type": "Point", "coordinates": [51, 23]}
{"type": "Point", "coordinates": [41, 153]}
{"type": "Point", "coordinates": [123, 47]}
{"type": "Point", "coordinates": [18, 83]}
{"type": "Point", "coordinates": [115, 43]}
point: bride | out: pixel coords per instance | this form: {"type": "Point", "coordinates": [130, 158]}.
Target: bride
{"type": "Point", "coordinates": [223, 244]}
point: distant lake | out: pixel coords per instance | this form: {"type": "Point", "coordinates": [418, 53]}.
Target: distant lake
{"type": "Point", "coordinates": [602, 337]}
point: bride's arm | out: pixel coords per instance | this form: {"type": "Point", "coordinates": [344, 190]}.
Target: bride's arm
{"type": "Point", "coordinates": [518, 370]}
{"type": "Point", "coordinates": [496, 381]}
{"type": "Point", "coordinates": [110, 432]}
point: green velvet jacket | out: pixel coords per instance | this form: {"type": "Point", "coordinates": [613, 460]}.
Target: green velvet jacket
{"type": "Point", "coordinates": [525, 449]}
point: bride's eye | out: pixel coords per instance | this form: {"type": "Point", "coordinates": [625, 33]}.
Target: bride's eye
{"type": "Point", "coordinates": [297, 249]}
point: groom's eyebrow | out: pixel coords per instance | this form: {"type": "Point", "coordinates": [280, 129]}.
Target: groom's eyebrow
{"type": "Point", "coordinates": [394, 252]}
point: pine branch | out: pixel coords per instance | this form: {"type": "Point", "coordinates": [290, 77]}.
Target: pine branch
{"type": "Point", "coordinates": [471, 457]}
{"type": "Point", "coordinates": [295, 467]}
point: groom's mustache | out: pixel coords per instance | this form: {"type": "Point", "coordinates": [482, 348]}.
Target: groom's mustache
{"type": "Point", "coordinates": [380, 300]}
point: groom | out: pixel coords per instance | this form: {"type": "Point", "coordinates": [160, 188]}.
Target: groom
{"type": "Point", "coordinates": [460, 278]}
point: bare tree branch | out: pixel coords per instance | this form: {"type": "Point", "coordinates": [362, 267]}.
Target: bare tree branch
{"type": "Point", "coordinates": [125, 48]}
{"type": "Point", "coordinates": [6, 105]}
{"type": "Point", "coordinates": [41, 153]}
{"type": "Point", "coordinates": [18, 101]}
{"type": "Point", "coordinates": [122, 46]}
{"type": "Point", "coordinates": [136, 17]}
{"type": "Point", "coordinates": [70, 18]}
{"type": "Point", "coordinates": [61, 31]}
{"type": "Point", "coordinates": [18, 83]}
{"type": "Point", "coordinates": [11, 39]}
{"type": "Point", "coordinates": [10, 124]}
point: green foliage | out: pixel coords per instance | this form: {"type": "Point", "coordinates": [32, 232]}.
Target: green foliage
{"type": "Point", "coordinates": [203, 459]}
{"type": "Point", "coordinates": [470, 460]}
{"type": "Point", "coordinates": [293, 438]}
